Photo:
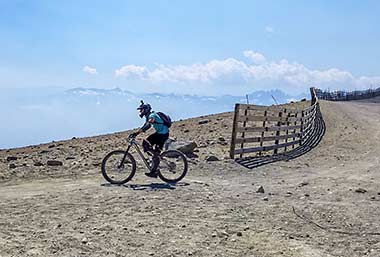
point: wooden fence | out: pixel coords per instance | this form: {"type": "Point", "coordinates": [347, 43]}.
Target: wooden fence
{"type": "Point", "coordinates": [259, 130]}
{"type": "Point", "coordinates": [347, 95]}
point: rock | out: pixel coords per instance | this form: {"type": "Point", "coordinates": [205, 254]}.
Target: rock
{"type": "Point", "coordinates": [84, 240]}
{"type": "Point", "coordinates": [12, 166]}
{"type": "Point", "coordinates": [212, 158]}
{"type": "Point", "coordinates": [11, 158]}
{"type": "Point", "coordinates": [239, 233]}
{"type": "Point", "coordinates": [70, 158]}
{"type": "Point", "coordinates": [303, 184]}
{"type": "Point", "coordinates": [266, 199]}
{"type": "Point", "coordinates": [38, 164]}
{"type": "Point", "coordinates": [203, 122]}
{"type": "Point", "coordinates": [360, 190]}
{"type": "Point", "coordinates": [221, 139]}
{"type": "Point", "coordinates": [54, 163]}
{"type": "Point", "coordinates": [186, 131]}
{"type": "Point", "coordinates": [260, 190]}
{"type": "Point", "coordinates": [51, 146]}
{"type": "Point", "coordinates": [44, 151]}
{"type": "Point", "coordinates": [186, 147]}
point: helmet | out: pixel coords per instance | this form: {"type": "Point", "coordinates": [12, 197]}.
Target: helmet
{"type": "Point", "coordinates": [145, 109]}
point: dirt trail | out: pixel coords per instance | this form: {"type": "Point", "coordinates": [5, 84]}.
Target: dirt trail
{"type": "Point", "coordinates": [71, 211]}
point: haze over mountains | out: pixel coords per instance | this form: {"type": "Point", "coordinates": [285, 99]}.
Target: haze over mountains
{"type": "Point", "coordinates": [40, 115]}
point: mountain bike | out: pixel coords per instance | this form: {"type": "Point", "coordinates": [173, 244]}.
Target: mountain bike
{"type": "Point", "coordinates": [119, 166]}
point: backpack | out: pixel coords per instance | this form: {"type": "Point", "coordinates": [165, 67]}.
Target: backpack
{"type": "Point", "coordinates": [167, 121]}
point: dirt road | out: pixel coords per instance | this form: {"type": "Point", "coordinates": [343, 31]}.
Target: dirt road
{"type": "Point", "coordinates": [325, 203]}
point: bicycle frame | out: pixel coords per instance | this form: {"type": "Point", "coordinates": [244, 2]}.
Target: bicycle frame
{"type": "Point", "coordinates": [133, 143]}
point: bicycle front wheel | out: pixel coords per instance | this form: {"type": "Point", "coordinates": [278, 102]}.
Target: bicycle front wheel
{"type": "Point", "coordinates": [118, 167]}
{"type": "Point", "coordinates": [173, 166]}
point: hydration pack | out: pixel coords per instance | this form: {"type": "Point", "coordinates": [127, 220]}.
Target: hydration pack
{"type": "Point", "coordinates": [167, 121]}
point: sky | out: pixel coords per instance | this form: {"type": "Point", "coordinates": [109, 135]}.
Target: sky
{"type": "Point", "coordinates": [193, 47]}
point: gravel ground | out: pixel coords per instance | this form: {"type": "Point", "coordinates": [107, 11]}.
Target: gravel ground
{"type": "Point", "coordinates": [324, 203]}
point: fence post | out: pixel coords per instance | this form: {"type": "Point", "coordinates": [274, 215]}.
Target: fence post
{"type": "Point", "coordinates": [263, 132]}
{"type": "Point", "coordinates": [243, 134]}
{"type": "Point", "coordinates": [302, 122]}
{"type": "Point", "coordinates": [287, 130]}
{"type": "Point", "coordinates": [278, 132]}
{"type": "Point", "coordinates": [313, 98]}
{"type": "Point", "coordinates": [234, 127]}
{"type": "Point", "coordinates": [295, 130]}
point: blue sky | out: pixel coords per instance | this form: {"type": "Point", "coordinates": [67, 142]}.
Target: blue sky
{"type": "Point", "coordinates": [200, 47]}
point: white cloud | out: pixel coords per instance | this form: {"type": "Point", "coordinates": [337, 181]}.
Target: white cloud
{"type": "Point", "coordinates": [254, 56]}
{"type": "Point", "coordinates": [89, 70]}
{"type": "Point", "coordinates": [131, 70]}
{"type": "Point", "coordinates": [262, 74]}
{"type": "Point", "coordinates": [269, 29]}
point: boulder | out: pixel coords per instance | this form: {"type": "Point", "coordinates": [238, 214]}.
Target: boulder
{"type": "Point", "coordinates": [11, 158]}
{"type": "Point", "coordinates": [186, 147]}
{"type": "Point", "coordinates": [203, 122]}
{"type": "Point", "coordinates": [12, 166]}
{"type": "Point", "coordinates": [38, 164]}
{"type": "Point", "coordinates": [212, 158]}
{"type": "Point", "coordinates": [260, 190]}
{"type": "Point", "coordinates": [54, 163]}
{"type": "Point", "coordinates": [360, 190]}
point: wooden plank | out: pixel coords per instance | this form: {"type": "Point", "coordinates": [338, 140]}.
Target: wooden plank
{"type": "Point", "coordinates": [234, 132]}
{"type": "Point", "coordinates": [308, 109]}
{"type": "Point", "coordinates": [276, 108]}
{"type": "Point", "coordinates": [267, 129]}
{"type": "Point", "coordinates": [265, 148]}
{"type": "Point", "coordinates": [267, 118]}
{"type": "Point", "coordinates": [266, 139]}
{"type": "Point", "coordinates": [259, 107]}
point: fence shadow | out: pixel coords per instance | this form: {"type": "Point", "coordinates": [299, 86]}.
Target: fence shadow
{"type": "Point", "coordinates": [311, 142]}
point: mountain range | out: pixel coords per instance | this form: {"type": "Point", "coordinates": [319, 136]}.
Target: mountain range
{"type": "Point", "coordinates": [32, 116]}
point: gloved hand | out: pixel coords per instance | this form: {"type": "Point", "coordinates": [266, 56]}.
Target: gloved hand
{"type": "Point", "coordinates": [133, 135]}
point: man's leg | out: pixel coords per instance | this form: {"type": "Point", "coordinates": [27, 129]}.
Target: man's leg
{"type": "Point", "coordinates": [153, 140]}
{"type": "Point", "coordinates": [159, 141]}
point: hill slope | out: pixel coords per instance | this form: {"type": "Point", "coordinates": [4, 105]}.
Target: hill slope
{"type": "Point", "coordinates": [310, 206]}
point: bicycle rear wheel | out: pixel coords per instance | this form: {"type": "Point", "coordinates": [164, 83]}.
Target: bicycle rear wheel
{"type": "Point", "coordinates": [173, 166]}
{"type": "Point", "coordinates": [117, 171]}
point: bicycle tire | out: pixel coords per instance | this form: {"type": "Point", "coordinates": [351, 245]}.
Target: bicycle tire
{"type": "Point", "coordinates": [107, 173]}
{"type": "Point", "coordinates": [174, 154]}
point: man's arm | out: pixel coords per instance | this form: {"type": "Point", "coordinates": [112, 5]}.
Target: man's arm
{"type": "Point", "coordinates": [146, 126]}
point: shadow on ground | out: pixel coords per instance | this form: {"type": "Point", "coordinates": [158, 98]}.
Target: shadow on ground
{"type": "Point", "coordinates": [151, 186]}
{"type": "Point", "coordinates": [307, 145]}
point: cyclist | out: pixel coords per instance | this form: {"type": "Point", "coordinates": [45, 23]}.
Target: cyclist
{"type": "Point", "coordinates": [154, 142]}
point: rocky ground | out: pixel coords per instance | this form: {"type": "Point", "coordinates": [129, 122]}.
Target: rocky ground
{"type": "Point", "coordinates": [54, 201]}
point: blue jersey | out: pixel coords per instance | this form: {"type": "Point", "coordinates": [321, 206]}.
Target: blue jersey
{"type": "Point", "coordinates": [158, 124]}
